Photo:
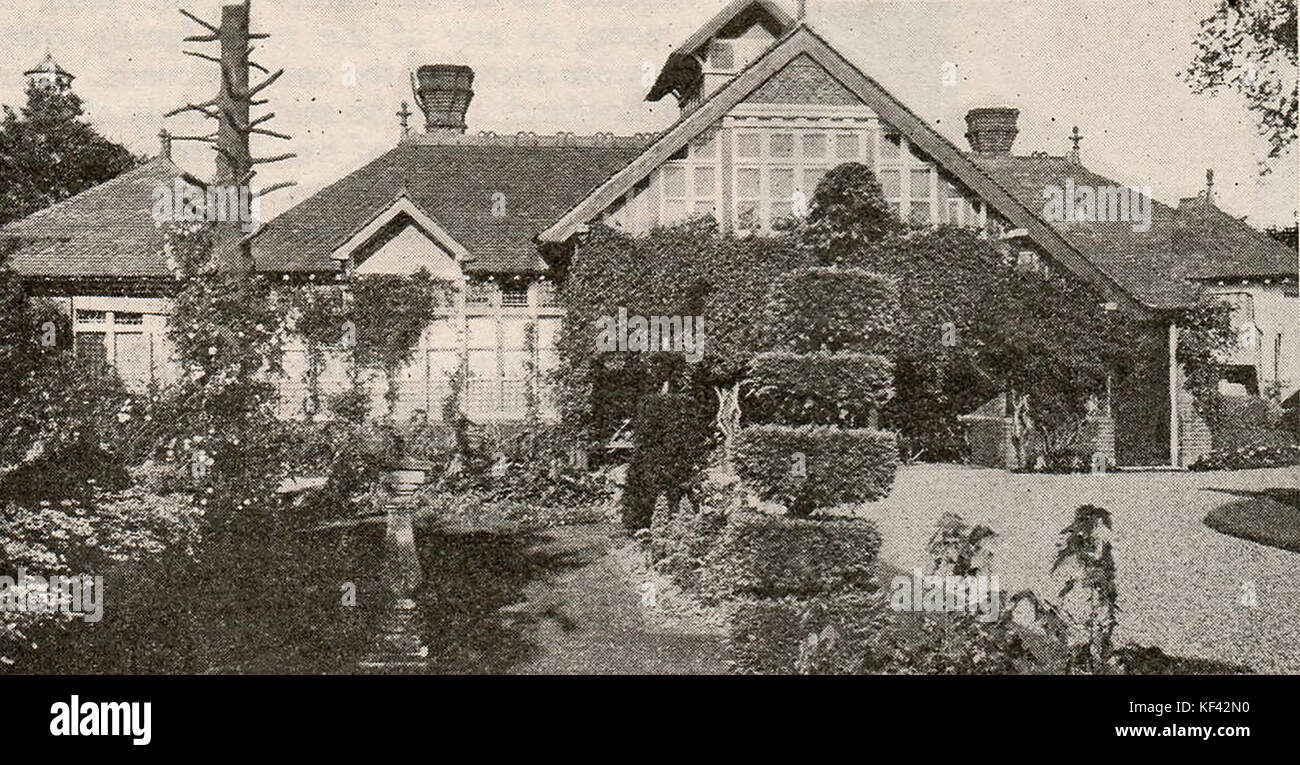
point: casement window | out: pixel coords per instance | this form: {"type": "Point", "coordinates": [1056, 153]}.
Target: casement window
{"type": "Point", "coordinates": [777, 172]}
{"type": "Point", "coordinates": [117, 338]}
{"type": "Point", "coordinates": [548, 295]}
{"type": "Point", "coordinates": [909, 180]}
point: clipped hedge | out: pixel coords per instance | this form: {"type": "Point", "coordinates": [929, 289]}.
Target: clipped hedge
{"type": "Point", "coordinates": [773, 556]}
{"type": "Point", "coordinates": [680, 543]}
{"type": "Point", "coordinates": [832, 309]}
{"type": "Point", "coordinates": [842, 379]}
{"type": "Point", "coordinates": [767, 636]}
{"type": "Point", "coordinates": [674, 433]}
{"type": "Point", "coordinates": [837, 466]}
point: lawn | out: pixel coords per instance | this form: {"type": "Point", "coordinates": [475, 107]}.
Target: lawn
{"type": "Point", "coordinates": [1183, 586]}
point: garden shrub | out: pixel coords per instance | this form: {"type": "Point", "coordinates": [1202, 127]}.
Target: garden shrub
{"type": "Point", "coordinates": [773, 556]}
{"type": "Point", "coordinates": [832, 309]}
{"type": "Point", "coordinates": [681, 542]}
{"type": "Point", "coordinates": [822, 388]}
{"type": "Point", "coordinates": [816, 466]}
{"type": "Point", "coordinates": [1249, 458]}
{"type": "Point", "coordinates": [794, 635]}
{"type": "Point", "coordinates": [674, 433]}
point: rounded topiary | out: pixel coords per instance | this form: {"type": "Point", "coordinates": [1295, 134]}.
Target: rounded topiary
{"type": "Point", "coordinates": [817, 391]}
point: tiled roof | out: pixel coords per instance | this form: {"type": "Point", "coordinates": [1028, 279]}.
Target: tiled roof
{"type": "Point", "coordinates": [1190, 242]}
{"type": "Point", "coordinates": [106, 231]}
{"type": "Point", "coordinates": [455, 183]}
{"type": "Point", "coordinates": [1221, 246]}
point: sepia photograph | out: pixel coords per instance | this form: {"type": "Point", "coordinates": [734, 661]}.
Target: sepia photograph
{"type": "Point", "coordinates": [388, 339]}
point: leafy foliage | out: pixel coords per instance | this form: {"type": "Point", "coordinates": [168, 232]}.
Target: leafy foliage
{"type": "Point", "coordinates": [47, 154]}
{"type": "Point", "coordinates": [820, 388]}
{"type": "Point", "coordinates": [1250, 46]}
{"type": "Point", "coordinates": [848, 213]}
{"type": "Point", "coordinates": [817, 466]}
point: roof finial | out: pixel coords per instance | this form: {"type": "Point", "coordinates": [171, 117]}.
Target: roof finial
{"type": "Point", "coordinates": [1209, 186]}
{"type": "Point", "coordinates": [165, 143]}
{"type": "Point", "coordinates": [803, 10]}
{"type": "Point", "coordinates": [405, 116]}
{"type": "Point", "coordinates": [1075, 138]}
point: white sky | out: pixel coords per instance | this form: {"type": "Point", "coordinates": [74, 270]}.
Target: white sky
{"type": "Point", "coordinates": [1109, 66]}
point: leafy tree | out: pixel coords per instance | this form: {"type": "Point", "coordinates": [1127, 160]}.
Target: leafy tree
{"type": "Point", "coordinates": [1250, 46]}
{"type": "Point", "coordinates": [49, 153]}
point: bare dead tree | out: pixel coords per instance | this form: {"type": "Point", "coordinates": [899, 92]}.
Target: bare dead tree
{"type": "Point", "coordinates": [232, 110]}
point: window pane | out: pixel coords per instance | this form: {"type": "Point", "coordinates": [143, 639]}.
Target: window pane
{"type": "Point", "coordinates": [480, 293]}
{"type": "Point", "coordinates": [516, 363]}
{"type": "Point", "coordinates": [704, 208]}
{"type": "Point", "coordinates": [482, 333]}
{"type": "Point", "coordinates": [782, 184]}
{"type": "Point", "coordinates": [722, 56]}
{"type": "Point", "coordinates": [889, 181]}
{"type": "Point", "coordinates": [704, 182]}
{"type": "Point", "coordinates": [135, 319]}
{"type": "Point", "coordinates": [814, 145]}
{"type": "Point", "coordinates": [747, 215]}
{"type": "Point", "coordinates": [846, 146]}
{"type": "Point", "coordinates": [811, 177]}
{"type": "Point", "coordinates": [132, 358]}
{"type": "Point", "coordinates": [747, 145]}
{"type": "Point", "coordinates": [514, 297]}
{"type": "Point", "coordinates": [514, 334]}
{"type": "Point", "coordinates": [483, 363]}
{"type": "Point", "coordinates": [782, 210]}
{"type": "Point", "coordinates": [92, 317]}
{"type": "Point", "coordinates": [920, 212]}
{"type": "Point", "coordinates": [782, 145]}
{"type": "Point", "coordinates": [920, 184]}
{"type": "Point", "coordinates": [674, 182]}
{"type": "Point", "coordinates": [747, 182]}
{"type": "Point", "coordinates": [707, 146]}
{"type": "Point", "coordinates": [889, 145]}
{"type": "Point", "coordinates": [675, 211]}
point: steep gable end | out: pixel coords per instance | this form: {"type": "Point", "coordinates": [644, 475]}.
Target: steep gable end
{"type": "Point", "coordinates": [803, 81]}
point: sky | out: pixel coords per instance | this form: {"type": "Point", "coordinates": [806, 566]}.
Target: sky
{"type": "Point", "coordinates": [1109, 66]}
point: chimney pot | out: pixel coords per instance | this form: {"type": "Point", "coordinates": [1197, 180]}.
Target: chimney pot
{"type": "Point", "coordinates": [444, 92]}
{"type": "Point", "coordinates": [992, 129]}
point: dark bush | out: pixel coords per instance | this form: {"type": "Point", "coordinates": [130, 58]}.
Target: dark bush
{"type": "Point", "coordinates": [773, 556]}
{"type": "Point", "coordinates": [674, 433]}
{"type": "Point", "coordinates": [819, 388]}
{"type": "Point", "coordinates": [817, 466]}
{"type": "Point", "coordinates": [680, 543]}
{"type": "Point", "coordinates": [832, 309]}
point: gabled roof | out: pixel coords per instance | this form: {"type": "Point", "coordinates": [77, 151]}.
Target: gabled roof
{"type": "Point", "coordinates": [401, 208]}
{"type": "Point", "coordinates": [106, 231]}
{"type": "Point", "coordinates": [1223, 247]}
{"type": "Point", "coordinates": [1196, 241]}
{"type": "Point", "coordinates": [804, 41]}
{"type": "Point", "coordinates": [455, 184]}
{"type": "Point", "coordinates": [681, 68]}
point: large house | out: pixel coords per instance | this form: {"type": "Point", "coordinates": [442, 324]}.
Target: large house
{"type": "Point", "coordinates": [767, 108]}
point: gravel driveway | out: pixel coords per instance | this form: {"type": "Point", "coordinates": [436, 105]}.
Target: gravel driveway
{"type": "Point", "coordinates": [1181, 583]}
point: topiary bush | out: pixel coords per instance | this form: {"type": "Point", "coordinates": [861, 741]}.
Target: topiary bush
{"type": "Point", "coordinates": [819, 389]}
{"type": "Point", "coordinates": [775, 556]}
{"type": "Point", "coordinates": [817, 466]}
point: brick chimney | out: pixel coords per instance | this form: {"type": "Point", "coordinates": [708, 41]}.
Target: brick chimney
{"type": "Point", "coordinates": [992, 129]}
{"type": "Point", "coordinates": [444, 92]}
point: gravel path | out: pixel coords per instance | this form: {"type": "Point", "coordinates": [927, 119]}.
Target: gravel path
{"type": "Point", "coordinates": [1181, 583]}
{"type": "Point", "coordinates": [587, 620]}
